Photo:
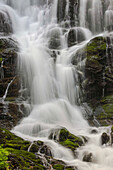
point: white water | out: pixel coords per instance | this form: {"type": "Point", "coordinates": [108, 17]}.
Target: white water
{"type": "Point", "coordinates": [54, 87]}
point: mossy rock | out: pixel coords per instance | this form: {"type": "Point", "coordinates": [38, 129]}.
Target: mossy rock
{"type": "Point", "coordinates": [10, 140]}
{"type": "Point", "coordinates": [34, 148]}
{"type": "Point", "coordinates": [107, 99]}
{"type": "Point", "coordinates": [58, 167]}
{"type": "Point", "coordinates": [108, 108]}
{"type": "Point", "coordinates": [69, 140]}
{"type": "Point", "coordinates": [23, 159]}
{"type": "Point", "coordinates": [96, 48]}
{"type": "Point", "coordinates": [19, 157]}
{"type": "Point", "coordinates": [112, 128]}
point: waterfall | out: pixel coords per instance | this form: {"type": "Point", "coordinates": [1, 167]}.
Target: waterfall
{"type": "Point", "coordinates": [45, 66]}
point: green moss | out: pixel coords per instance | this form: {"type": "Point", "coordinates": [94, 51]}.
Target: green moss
{"type": "Point", "coordinates": [96, 47]}
{"type": "Point", "coordinates": [104, 116]}
{"type": "Point", "coordinates": [58, 167]}
{"type": "Point", "coordinates": [10, 99]}
{"type": "Point", "coordinates": [107, 99]}
{"type": "Point", "coordinates": [69, 140]}
{"type": "Point", "coordinates": [1, 59]}
{"type": "Point", "coordinates": [69, 144]}
{"type": "Point", "coordinates": [39, 167]}
{"type": "Point", "coordinates": [112, 128]}
{"type": "Point", "coordinates": [34, 148]}
{"type": "Point", "coordinates": [108, 108]}
{"type": "Point", "coordinates": [18, 152]}
{"type": "Point", "coordinates": [3, 158]}
{"type": "Point", "coordinates": [24, 159]}
{"type": "Point", "coordinates": [63, 134]}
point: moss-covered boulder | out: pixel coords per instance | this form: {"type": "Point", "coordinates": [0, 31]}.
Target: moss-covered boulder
{"type": "Point", "coordinates": [104, 111]}
{"type": "Point", "coordinates": [67, 139]}
{"type": "Point", "coordinates": [95, 53]}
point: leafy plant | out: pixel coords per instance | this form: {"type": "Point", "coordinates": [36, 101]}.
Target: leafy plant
{"type": "Point", "coordinates": [3, 158]}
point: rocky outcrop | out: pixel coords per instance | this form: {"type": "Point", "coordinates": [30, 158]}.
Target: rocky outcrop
{"type": "Point", "coordinates": [23, 154]}
{"type": "Point", "coordinates": [75, 36]}
{"type": "Point", "coordinates": [65, 138]}
{"type": "Point", "coordinates": [94, 69]}
{"type": "Point", "coordinates": [61, 8]}
{"type": "Point", "coordinates": [10, 109]}
{"type": "Point", "coordinates": [70, 14]}
{"type": "Point", "coordinates": [98, 83]}
{"type": "Point", "coordinates": [5, 23]}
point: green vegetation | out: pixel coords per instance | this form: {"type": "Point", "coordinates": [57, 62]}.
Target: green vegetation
{"type": "Point", "coordinates": [112, 128]}
{"type": "Point", "coordinates": [1, 59]}
{"type": "Point", "coordinates": [24, 159]}
{"type": "Point", "coordinates": [95, 48]}
{"type": "Point", "coordinates": [3, 158]}
{"type": "Point", "coordinates": [69, 144]}
{"type": "Point", "coordinates": [58, 167]}
{"type": "Point", "coordinates": [17, 151]}
{"type": "Point", "coordinates": [69, 140]}
{"type": "Point", "coordinates": [107, 99]}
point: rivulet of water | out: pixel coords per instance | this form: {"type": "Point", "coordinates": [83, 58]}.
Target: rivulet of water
{"type": "Point", "coordinates": [50, 78]}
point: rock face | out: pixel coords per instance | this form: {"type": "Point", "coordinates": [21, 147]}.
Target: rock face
{"type": "Point", "coordinates": [98, 85]}
{"type": "Point", "coordinates": [96, 82]}
{"type": "Point", "coordinates": [94, 69]}
{"type": "Point", "coordinates": [10, 110]}
{"type": "Point", "coordinates": [5, 23]}
{"type": "Point", "coordinates": [71, 15]}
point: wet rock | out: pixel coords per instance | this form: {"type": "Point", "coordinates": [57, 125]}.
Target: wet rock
{"type": "Point", "coordinates": [10, 110]}
{"type": "Point", "coordinates": [75, 36]}
{"type": "Point", "coordinates": [58, 167]}
{"type": "Point", "coordinates": [46, 150]}
{"type": "Point", "coordinates": [88, 157]}
{"type": "Point", "coordinates": [105, 138]}
{"type": "Point", "coordinates": [95, 63]}
{"type": "Point", "coordinates": [54, 38]}
{"type": "Point", "coordinates": [94, 131]}
{"type": "Point", "coordinates": [71, 168]}
{"type": "Point", "coordinates": [73, 11]}
{"type": "Point", "coordinates": [5, 23]}
{"type": "Point", "coordinates": [10, 114]}
{"type": "Point", "coordinates": [61, 8]}
{"type": "Point", "coordinates": [111, 135]}
{"type": "Point", "coordinates": [65, 138]}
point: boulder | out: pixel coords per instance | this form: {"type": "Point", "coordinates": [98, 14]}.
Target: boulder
{"type": "Point", "coordinates": [105, 138]}
{"type": "Point", "coordinates": [88, 157]}
{"type": "Point", "coordinates": [65, 138]}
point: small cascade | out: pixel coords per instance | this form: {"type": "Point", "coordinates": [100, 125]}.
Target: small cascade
{"type": "Point", "coordinates": [2, 70]}
{"type": "Point", "coordinates": [9, 84]}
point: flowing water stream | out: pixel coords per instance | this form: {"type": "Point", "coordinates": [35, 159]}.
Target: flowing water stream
{"type": "Point", "coordinates": [52, 82]}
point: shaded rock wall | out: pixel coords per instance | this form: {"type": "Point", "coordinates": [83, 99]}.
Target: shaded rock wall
{"type": "Point", "coordinates": [10, 109]}
{"type": "Point", "coordinates": [98, 86]}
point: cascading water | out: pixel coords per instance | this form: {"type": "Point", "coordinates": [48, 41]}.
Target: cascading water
{"type": "Point", "coordinates": [53, 82]}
